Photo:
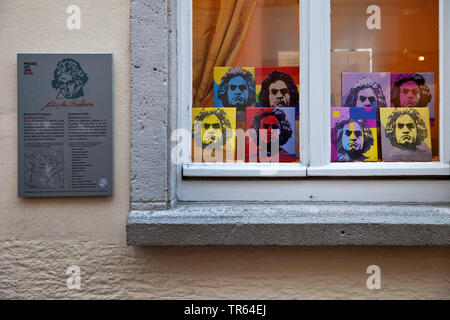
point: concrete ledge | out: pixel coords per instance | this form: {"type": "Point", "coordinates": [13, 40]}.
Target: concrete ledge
{"type": "Point", "coordinates": [299, 224]}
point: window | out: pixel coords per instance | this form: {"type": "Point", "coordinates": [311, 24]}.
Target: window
{"type": "Point", "coordinates": [159, 181]}
{"type": "Point", "coordinates": [390, 60]}
{"type": "Point", "coordinates": [326, 50]}
{"type": "Point", "coordinates": [245, 81]}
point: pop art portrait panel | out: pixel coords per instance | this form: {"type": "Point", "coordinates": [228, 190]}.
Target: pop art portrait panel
{"type": "Point", "coordinates": [413, 90]}
{"type": "Point", "coordinates": [234, 87]}
{"type": "Point", "coordinates": [271, 135]}
{"type": "Point", "coordinates": [278, 87]}
{"type": "Point", "coordinates": [366, 89]}
{"type": "Point", "coordinates": [405, 134]}
{"type": "Point", "coordinates": [214, 134]}
{"type": "Point", "coordinates": [354, 134]}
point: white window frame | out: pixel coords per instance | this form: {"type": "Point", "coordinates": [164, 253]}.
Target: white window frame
{"type": "Point", "coordinates": [320, 79]}
{"type": "Point", "coordinates": [314, 135]}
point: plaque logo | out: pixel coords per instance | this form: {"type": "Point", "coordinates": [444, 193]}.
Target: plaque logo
{"type": "Point", "coordinates": [27, 68]}
{"type": "Point", "coordinates": [103, 183]}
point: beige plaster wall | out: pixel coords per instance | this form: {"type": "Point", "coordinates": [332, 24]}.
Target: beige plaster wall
{"type": "Point", "coordinates": [40, 238]}
{"type": "Point", "coordinates": [40, 26]}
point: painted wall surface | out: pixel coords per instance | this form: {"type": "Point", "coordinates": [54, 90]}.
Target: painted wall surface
{"type": "Point", "coordinates": [40, 26]}
{"type": "Point", "coordinates": [40, 238]}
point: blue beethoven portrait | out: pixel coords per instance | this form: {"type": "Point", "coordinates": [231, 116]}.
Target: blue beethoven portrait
{"type": "Point", "coordinates": [237, 89]}
{"type": "Point", "coordinates": [69, 79]}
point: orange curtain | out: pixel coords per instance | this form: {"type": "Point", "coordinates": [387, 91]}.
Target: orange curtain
{"type": "Point", "coordinates": [220, 28]}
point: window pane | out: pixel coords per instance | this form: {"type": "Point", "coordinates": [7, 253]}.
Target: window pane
{"type": "Point", "coordinates": [245, 77]}
{"type": "Point", "coordinates": [384, 56]}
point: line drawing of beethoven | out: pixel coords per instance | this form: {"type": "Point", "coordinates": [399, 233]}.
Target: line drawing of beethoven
{"type": "Point", "coordinates": [237, 89]}
{"type": "Point", "coordinates": [213, 126]}
{"type": "Point", "coordinates": [366, 93]}
{"type": "Point", "coordinates": [352, 139]}
{"type": "Point", "coordinates": [278, 90]}
{"type": "Point", "coordinates": [406, 129]}
{"type": "Point", "coordinates": [410, 90]}
{"type": "Point", "coordinates": [277, 130]}
{"type": "Point", "coordinates": [69, 79]}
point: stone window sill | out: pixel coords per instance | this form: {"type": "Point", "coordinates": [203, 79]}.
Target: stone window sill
{"type": "Point", "coordinates": [292, 224]}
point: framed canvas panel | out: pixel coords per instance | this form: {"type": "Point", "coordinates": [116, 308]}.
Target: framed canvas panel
{"type": "Point", "coordinates": [405, 134]}
{"type": "Point", "coordinates": [416, 90]}
{"type": "Point", "coordinates": [234, 87]}
{"type": "Point", "coordinates": [278, 87]}
{"type": "Point", "coordinates": [354, 134]}
{"type": "Point", "coordinates": [366, 89]}
{"type": "Point", "coordinates": [269, 128]}
{"type": "Point", "coordinates": [214, 134]}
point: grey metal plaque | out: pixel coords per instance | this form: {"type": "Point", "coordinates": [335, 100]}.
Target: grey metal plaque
{"type": "Point", "coordinates": [65, 124]}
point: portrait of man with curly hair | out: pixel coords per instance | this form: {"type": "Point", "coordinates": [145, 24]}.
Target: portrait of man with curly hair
{"type": "Point", "coordinates": [406, 134]}
{"type": "Point", "coordinates": [271, 127]}
{"type": "Point", "coordinates": [211, 124]}
{"type": "Point", "coordinates": [69, 79]}
{"type": "Point", "coordinates": [365, 90]}
{"type": "Point", "coordinates": [236, 89]}
{"type": "Point", "coordinates": [410, 90]}
{"type": "Point", "coordinates": [352, 138]}
{"type": "Point", "coordinates": [278, 90]}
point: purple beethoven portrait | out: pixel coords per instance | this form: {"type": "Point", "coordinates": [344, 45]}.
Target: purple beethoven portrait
{"type": "Point", "coordinates": [413, 90]}
{"type": "Point", "coordinates": [365, 89]}
{"type": "Point", "coordinates": [354, 134]}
